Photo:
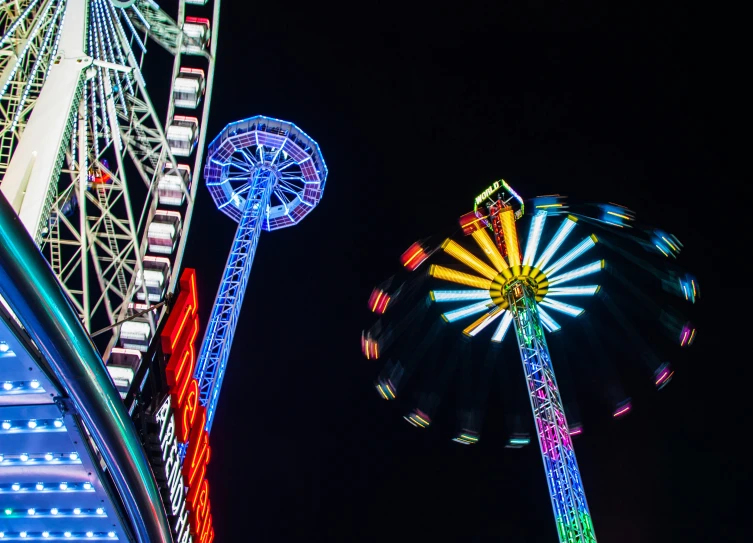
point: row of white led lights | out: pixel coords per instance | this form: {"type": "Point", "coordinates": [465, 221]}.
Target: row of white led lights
{"type": "Point", "coordinates": [36, 536]}
{"type": "Point", "coordinates": [10, 427]}
{"type": "Point", "coordinates": [18, 387]}
{"type": "Point", "coordinates": [41, 425]}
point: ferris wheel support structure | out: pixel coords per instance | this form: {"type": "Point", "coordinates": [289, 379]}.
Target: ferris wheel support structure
{"type": "Point", "coordinates": [92, 169]}
{"type": "Point", "coordinates": [29, 175]}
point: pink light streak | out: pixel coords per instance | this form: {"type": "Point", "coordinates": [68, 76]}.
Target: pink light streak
{"type": "Point", "coordinates": [622, 411]}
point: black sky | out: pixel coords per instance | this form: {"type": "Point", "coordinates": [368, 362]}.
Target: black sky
{"type": "Point", "coordinates": [416, 112]}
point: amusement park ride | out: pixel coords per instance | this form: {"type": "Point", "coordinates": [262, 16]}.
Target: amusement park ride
{"type": "Point", "coordinates": [509, 287]}
{"type": "Point", "coordinates": [105, 186]}
{"type": "Point", "coordinates": [266, 174]}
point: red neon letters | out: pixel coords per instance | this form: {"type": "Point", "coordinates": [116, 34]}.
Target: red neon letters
{"type": "Point", "coordinates": [178, 344]}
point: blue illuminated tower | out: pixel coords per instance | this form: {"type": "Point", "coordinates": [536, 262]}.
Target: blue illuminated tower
{"type": "Point", "coordinates": [266, 174]}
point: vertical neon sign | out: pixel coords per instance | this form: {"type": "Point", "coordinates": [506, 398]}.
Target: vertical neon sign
{"type": "Point", "coordinates": [179, 347]}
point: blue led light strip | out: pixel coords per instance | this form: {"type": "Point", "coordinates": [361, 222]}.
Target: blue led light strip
{"type": "Point", "coordinates": [215, 349]}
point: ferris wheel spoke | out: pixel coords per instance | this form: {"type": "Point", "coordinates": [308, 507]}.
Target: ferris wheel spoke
{"type": "Point", "coordinates": [285, 164]}
{"type": "Point", "coordinates": [248, 156]}
{"type": "Point", "coordinates": [287, 188]}
{"type": "Point", "coordinates": [241, 165]}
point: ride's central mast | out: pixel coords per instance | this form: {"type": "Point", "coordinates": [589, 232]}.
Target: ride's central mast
{"type": "Point", "coordinates": [562, 475]}
{"type": "Point", "coordinates": [266, 174]}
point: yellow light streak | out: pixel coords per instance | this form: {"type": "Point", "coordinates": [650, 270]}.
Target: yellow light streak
{"type": "Point", "coordinates": [484, 241]}
{"type": "Point", "coordinates": [618, 215]}
{"type": "Point", "coordinates": [670, 244]}
{"type": "Point", "coordinates": [507, 218]}
{"type": "Point", "coordinates": [484, 320]}
{"type": "Point", "coordinates": [457, 251]}
{"type": "Point", "coordinates": [447, 274]}
{"type": "Point", "coordinates": [376, 302]}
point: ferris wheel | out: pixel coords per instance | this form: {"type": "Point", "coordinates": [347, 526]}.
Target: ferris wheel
{"type": "Point", "coordinates": [103, 182]}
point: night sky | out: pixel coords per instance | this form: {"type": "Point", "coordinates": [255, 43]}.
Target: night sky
{"type": "Point", "coordinates": [416, 112]}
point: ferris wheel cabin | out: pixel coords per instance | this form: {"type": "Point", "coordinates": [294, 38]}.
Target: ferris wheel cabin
{"type": "Point", "coordinates": [136, 334]}
{"type": "Point", "coordinates": [196, 35]}
{"type": "Point", "coordinates": [155, 278]}
{"type": "Point", "coordinates": [189, 88]}
{"type": "Point", "coordinates": [182, 135]}
{"type": "Point", "coordinates": [164, 232]}
{"type": "Point", "coordinates": [122, 366]}
{"type": "Point", "coordinates": [170, 186]}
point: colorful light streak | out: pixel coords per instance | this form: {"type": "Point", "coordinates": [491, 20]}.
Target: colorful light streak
{"type": "Point", "coordinates": [577, 273]}
{"type": "Point", "coordinates": [585, 290]}
{"type": "Point", "coordinates": [502, 328]}
{"type": "Point", "coordinates": [534, 236]}
{"type": "Point", "coordinates": [413, 257]}
{"type": "Point", "coordinates": [483, 322]}
{"type": "Point", "coordinates": [559, 237]}
{"type": "Point", "coordinates": [459, 295]}
{"type": "Point", "coordinates": [549, 323]}
{"type": "Point", "coordinates": [467, 311]}
{"type": "Point", "coordinates": [447, 274]}
{"type": "Point", "coordinates": [510, 232]}
{"type": "Point", "coordinates": [571, 255]}
{"type": "Point", "coordinates": [485, 242]}
{"type": "Point", "coordinates": [457, 251]}
{"type": "Point", "coordinates": [562, 307]}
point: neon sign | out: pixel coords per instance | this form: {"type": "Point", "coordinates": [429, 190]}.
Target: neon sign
{"type": "Point", "coordinates": [494, 187]}
{"type": "Point", "coordinates": [171, 475]}
{"type": "Point", "coordinates": [189, 417]}
{"type": "Point", "coordinates": [487, 193]}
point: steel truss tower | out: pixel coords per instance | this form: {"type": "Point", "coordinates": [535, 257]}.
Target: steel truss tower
{"type": "Point", "coordinates": [562, 475]}
{"type": "Point", "coordinates": [266, 174]}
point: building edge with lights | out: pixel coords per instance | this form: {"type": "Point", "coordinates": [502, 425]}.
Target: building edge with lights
{"type": "Point", "coordinates": [81, 458]}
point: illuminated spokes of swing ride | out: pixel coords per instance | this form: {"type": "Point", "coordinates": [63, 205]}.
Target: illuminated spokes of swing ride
{"type": "Point", "coordinates": [548, 276]}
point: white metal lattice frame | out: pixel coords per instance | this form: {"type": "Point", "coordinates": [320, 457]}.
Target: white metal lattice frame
{"type": "Point", "coordinates": [68, 118]}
